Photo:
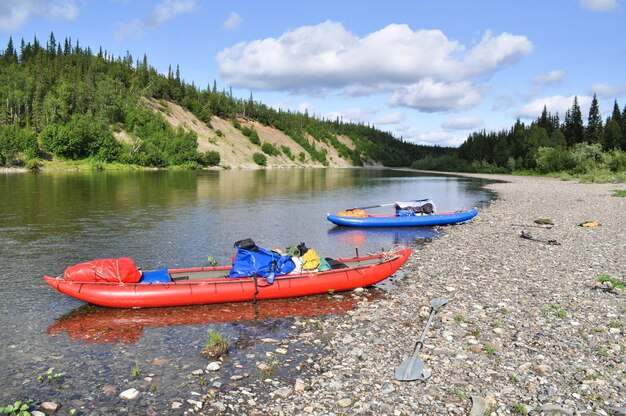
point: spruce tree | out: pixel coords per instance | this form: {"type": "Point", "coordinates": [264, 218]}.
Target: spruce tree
{"type": "Point", "coordinates": [574, 128]}
{"type": "Point", "coordinates": [612, 135]}
{"type": "Point", "coordinates": [623, 127]}
{"type": "Point", "coordinates": [593, 132]}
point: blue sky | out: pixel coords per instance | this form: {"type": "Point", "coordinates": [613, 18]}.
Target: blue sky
{"type": "Point", "coordinates": [430, 72]}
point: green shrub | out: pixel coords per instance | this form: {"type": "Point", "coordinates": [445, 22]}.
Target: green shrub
{"type": "Point", "coordinates": [259, 159]}
{"type": "Point", "coordinates": [252, 135]}
{"type": "Point", "coordinates": [586, 157]}
{"type": "Point", "coordinates": [287, 151]}
{"type": "Point", "coordinates": [551, 159]}
{"type": "Point", "coordinates": [268, 148]}
{"type": "Point", "coordinates": [210, 158]}
{"type": "Point", "coordinates": [33, 164]}
{"type": "Point", "coordinates": [17, 145]}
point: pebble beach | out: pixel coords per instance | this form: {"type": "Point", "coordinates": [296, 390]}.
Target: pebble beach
{"type": "Point", "coordinates": [528, 327]}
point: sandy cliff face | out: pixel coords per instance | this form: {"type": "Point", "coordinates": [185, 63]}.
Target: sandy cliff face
{"type": "Point", "coordinates": [235, 149]}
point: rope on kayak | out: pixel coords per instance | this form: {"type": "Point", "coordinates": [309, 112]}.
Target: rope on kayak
{"type": "Point", "coordinates": [256, 288]}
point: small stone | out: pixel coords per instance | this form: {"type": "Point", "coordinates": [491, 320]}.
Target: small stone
{"type": "Point", "coordinates": [542, 368]}
{"type": "Point", "coordinates": [347, 339]}
{"type": "Point", "coordinates": [37, 413]}
{"type": "Point", "coordinates": [299, 386]}
{"type": "Point", "coordinates": [475, 348]}
{"type": "Point", "coordinates": [213, 366]}
{"type": "Point", "coordinates": [284, 392]}
{"type": "Point", "coordinates": [345, 402]}
{"type": "Point", "coordinates": [129, 394]}
{"type": "Point", "coordinates": [282, 351]}
{"type": "Point", "coordinates": [176, 405]}
{"type": "Point", "coordinates": [479, 405]}
{"type": "Point", "coordinates": [195, 403]}
{"type": "Point", "coordinates": [219, 406]}
{"type": "Point", "coordinates": [269, 341]}
{"type": "Point", "coordinates": [49, 407]}
{"type": "Point", "coordinates": [197, 372]}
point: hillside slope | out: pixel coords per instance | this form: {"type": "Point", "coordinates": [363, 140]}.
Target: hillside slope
{"type": "Point", "coordinates": [236, 150]}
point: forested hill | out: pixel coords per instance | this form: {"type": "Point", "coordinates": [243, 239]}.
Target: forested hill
{"type": "Point", "coordinates": [595, 151]}
{"type": "Point", "coordinates": [62, 101]}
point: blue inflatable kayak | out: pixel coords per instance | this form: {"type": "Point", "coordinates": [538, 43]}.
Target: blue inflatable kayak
{"type": "Point", "coordinates": [392, 220]}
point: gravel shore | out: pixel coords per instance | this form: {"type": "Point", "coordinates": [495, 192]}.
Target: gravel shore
{"type": "Point", "coordinates": [528, 329]}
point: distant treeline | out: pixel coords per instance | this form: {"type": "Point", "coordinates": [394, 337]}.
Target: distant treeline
{"type": "Point", "coordinates": [63, 100]}
{"type": "Point", "coordinates": [596, 151]}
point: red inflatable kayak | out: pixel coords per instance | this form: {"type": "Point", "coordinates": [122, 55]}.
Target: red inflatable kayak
{"type": "Point", "coordinates": [205, 285]}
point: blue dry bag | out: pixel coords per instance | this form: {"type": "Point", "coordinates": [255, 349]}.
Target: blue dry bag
{"type": "Point", "coordinates": [261, 262]}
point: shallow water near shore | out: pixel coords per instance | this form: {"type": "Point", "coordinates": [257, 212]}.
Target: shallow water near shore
{"type": "Point", "coordinates": [176, 219]}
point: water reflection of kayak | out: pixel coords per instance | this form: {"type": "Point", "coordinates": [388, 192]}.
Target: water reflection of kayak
{"type": "Point", "coordinates": [400, 235]}
{"type": "Point", "coordinates": [96, 325]}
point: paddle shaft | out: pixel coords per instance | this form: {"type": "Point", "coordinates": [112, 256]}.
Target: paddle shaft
{"type": "Point", "coordinates": [384, 205]}
{"type": "Point", "coordinates": [419, 344]}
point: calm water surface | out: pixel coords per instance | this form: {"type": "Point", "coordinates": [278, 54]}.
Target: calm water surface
{"type": "Point", "coordinates": [49, 221]}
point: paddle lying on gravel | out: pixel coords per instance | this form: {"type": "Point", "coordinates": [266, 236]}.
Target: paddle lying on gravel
{"type": "Point", "coordinates": [412, 368]}
{"type": "Point", "coordinates": [384, 205]}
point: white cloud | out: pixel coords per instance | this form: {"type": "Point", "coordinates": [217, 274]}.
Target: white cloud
{"type": "Point", "coordinates": [430, 96]}
{"type": "Point", "coordinates": [438, 138]}
{"type": "Point", "coordinates": [233, 21]}
{"type": "Point", "coordinates": [395, 117]}
{"type": "Point", "coordinates": [168, 10]}
{"type": "Point", "coordinates": [132, 30]}
{"type": "Point", "coordinates": [551, 78]}
{"type": "Point", "coordinates": [554, 104]}
{"type": "Point", "coordinates": [605, 90]}
{"type": "Point", "coordinates": [463, 123]}
{"type": "Point", "coordinates": [599, 5]}
{"type": "Point", "coordinates": [161, 13]}
{"type": "Point", "coordinates": [328, 56]}
{"type": "Point", "coordinates": [305, 107]}
{"type": "Point", "coordinates": [14, 14]}
{"type": "Point", "coordinates": [494, 52]}
{"type": "Point", "coordinates": [353, 114]}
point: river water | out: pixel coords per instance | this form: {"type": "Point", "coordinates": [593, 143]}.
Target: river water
{"type": "Point", "coordinates": [49, 221]}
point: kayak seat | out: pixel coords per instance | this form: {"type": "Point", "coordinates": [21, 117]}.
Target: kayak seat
{"type": "Point", "coordinates": [156, 276]}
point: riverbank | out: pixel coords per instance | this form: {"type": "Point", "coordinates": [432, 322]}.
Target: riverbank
{"type": "Point", "coordinates": [528, 328]}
